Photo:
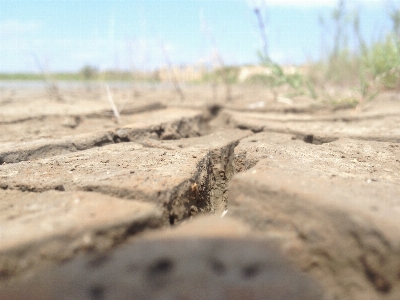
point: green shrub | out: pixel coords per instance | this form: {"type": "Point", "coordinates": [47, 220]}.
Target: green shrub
{"type": "Point", "coordinates": [230, 74]}
{"type": "Point", "coordinates": [88, 72]}
{"type": "Point", "coordinates": [382, 61]}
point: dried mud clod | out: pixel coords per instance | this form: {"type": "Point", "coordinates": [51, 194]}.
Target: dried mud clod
{"type": "Point", "coordinates": [151, 269]}
{"type": "Point", "coordinates": [182, 127]}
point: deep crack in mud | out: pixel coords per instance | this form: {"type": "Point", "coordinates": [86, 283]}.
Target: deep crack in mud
{"type": "Point", "coordinates": [203, 191]}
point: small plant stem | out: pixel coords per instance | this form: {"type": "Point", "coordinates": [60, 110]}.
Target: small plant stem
{"type": "Point", "coordinates": [112, 103]}
{"type": "Point", "coordinates": [224, 76]}
{"type": "Point", "coordinates": [338, 16]}
{"type": "Point", "coordinates": [51, 86]}
{"type": "Point", "coordinates": [171, 72]}
{"type": "Point", "coordinates": [261, 25]}
{"type": "Point", "coordinates": [224, 71]}
{"type": "Point", "coordinates": [214, 87]}
{"type": "Point", "coordinates": [135, 76]}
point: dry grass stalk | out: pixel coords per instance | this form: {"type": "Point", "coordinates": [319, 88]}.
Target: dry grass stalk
{"type": "Point", "coordinates": [135, 91]}
{"type": "Point", "coordinates": [261, 26]}
{"type": "Point", "coordinates": [218, 56]}
{"type": "Point", "coordinates": [171, 72]}
{"type": "Point", "coordinates": [214, 87]}
{"type": "Point", "coordinates": [51, 86]}
{"type": "Point", "coordinates": [112, 103]}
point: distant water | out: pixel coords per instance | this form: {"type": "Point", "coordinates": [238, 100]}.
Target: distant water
{"type": "Point", "coordinates": [68, 84]}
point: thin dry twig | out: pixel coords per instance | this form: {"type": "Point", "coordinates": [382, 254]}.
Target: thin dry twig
{"type": "Point", "coordinates": [51, 86]}
{"type": "Point", "coordinates": [131, 50]}
{"type": "Point", "coordinates": [112, 103]}
{"type": "Point", "coordinates": [261, 25]}
{"type": "Point", "coordinates": [218, 57]}
{"type": "Point", "coordinates": [171, 72]}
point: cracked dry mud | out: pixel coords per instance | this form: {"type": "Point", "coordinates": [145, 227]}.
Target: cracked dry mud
{"type": "Point", "coordinates": [95, 209]}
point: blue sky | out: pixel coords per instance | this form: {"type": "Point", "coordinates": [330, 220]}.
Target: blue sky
{"type": "Point", "coordinates": [124, 34]}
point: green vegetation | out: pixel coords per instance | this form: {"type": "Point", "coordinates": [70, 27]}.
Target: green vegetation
{"type": "Point", "coordinates": [84, 74]}
{"type": "Point", "coordinates": [275, 75]}
{"type": "Point", "coordinates": [21, 76]}
{"type": "Point", "coordinates": [88, 72]}
{"type": "Point", "coordinates": [279, 77]}
{"type": "Point", "coordinates": [367, 69]}
{"type": "Point", "coordinates": [231, 73]}
{"type": "Point", "coordinates": [382, 62]}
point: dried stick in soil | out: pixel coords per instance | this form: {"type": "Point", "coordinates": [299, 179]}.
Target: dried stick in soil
{"type": "Point", "coordinates": [51, 86]}
{"type": "Point", "coordinates": [171, 72]}
{"type": "Point", "coordinates": [261, 26]}
{"type": "Point", "coordinates": [112, 103]}
{"type": "Point", "coordinates": [218, 56]}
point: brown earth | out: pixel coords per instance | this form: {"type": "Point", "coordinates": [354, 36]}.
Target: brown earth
{"type": "Point", "coordinates": [252, 198]}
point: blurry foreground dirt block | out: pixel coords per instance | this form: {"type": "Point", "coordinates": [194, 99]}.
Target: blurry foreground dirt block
{"type": "Point", "coordinates": [210, 264]}
{"type": "Point", "coordinates": [342, 231]}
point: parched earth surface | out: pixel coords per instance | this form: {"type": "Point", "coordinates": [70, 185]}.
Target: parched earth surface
{"type": "Point", "coordinates": [252, 198]}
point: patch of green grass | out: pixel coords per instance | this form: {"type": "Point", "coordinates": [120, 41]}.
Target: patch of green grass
{"type": "Point", "coordinates": [348, 102]}
{"type": "Point", "coordinates": [230, 74]}
{"type": "Point", "coordinates": [21, 76]}
{"type": "Point", "coordinates": [367, 68]}
{"type": "Point", "coordinates": [363, 68]}
{"type": "Point", "coordinates": [298, 83]}
{"type": "Point", "coordinates": [79, 76]}
{"type": "Point", "coordinates": [382, 62]}
{"type": "Point", "coordinates": [277, 77]}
